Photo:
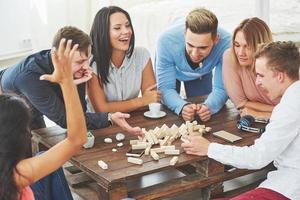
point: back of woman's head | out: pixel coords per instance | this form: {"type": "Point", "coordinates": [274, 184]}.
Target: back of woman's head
{"type": "Point", "coordinates": [255, 31]}
{"type": "Point", "coordinates": [14, 142]}
{"type": "Point", "coordinates": [101, 47]}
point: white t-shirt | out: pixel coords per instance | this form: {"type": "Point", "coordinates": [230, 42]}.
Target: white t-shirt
{"type": "Point", "coordinates": [125, 82]}
{"type": "Point", "coordinates": [280, 143]}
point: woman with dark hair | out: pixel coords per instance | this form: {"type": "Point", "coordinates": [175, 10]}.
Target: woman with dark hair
{"type": "Point", "coordinates": [239, 72]}
{"type": "Point", "coordinates": [23, 177]}
{"type": "Point", "coordinates": [121, 70]}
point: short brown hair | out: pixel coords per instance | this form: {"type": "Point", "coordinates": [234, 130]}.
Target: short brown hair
{"type": "Point", "coordinates": [282, 57]}
{"type": "Point", "coordinates": [76, 35]}
{"type": "Point", "coordinates": [201, 20]}
{"type": "Point", "coordinates": [255, 31]}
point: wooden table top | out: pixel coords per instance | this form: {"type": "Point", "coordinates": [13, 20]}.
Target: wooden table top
{"type": "Point", "coordinates": [119, 169]}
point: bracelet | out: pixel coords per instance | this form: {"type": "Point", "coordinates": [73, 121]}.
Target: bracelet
{"type": "Point", "coordinates": [109, 118]}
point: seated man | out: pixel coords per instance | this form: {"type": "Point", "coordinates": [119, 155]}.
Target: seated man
{"type": "Point", "coordinates": [189, 51]}
{"type": "Point", "coordinates": [277, 65]}
{"type": "Point", "coordinates": [44, 97]}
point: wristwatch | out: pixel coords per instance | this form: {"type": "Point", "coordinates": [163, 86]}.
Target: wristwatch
{"type": "Point", "coordinates": [109, 118]}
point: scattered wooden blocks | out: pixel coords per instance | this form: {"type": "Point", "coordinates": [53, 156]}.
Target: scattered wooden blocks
{"type": "Point", "coordinates": [137, 161]}
{"type": "Point", "coordinates": [165, 136]}
{"type": "Point", "coordinates": [102, 164]}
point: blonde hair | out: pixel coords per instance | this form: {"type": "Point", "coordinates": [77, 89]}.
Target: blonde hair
{"type": "Point", "coordinates": [201, 20]}
{"type": "Point", "coordinates": [255, 31]}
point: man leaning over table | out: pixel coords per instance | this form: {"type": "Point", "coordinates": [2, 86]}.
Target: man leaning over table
{"type": "Point", "coordinates": [189, 51]}
{"type": "Point", "coordinates": [44, 97]}
{"type": "Point", "coordinates": [277, 66]}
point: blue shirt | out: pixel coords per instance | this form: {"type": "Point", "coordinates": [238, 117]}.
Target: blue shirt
{"type": "Point", "coordinates": [171, 64]}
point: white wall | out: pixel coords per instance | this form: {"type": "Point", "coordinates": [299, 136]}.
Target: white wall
{"type": "Point", "coordinates": [38, 21]}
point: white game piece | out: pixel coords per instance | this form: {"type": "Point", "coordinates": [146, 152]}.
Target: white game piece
{"type": "Point", "coordinates": [137, 161]}
{"type": "Point", "coordinates": [114, 150]}
{"type": "Point", "coordinates": [172, 152]}
{"type": "Point", "coordinates": [102, 164]}
{"type": "Point", "coordinates": [174, 160]}
{"type": "Point", "coordinates": [108, 140]}
{"type": "Point", "coordinates": [154, 155]}
{"type": "Point", "coordinates": [120, 137]}
{"type": "Point", "coordinates": [120, 144]}
{"type": "Point", "coordinates": [194, 122]}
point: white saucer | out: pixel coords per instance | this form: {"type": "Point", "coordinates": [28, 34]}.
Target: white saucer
{"type": "Point", "coordinates": [159, 115]}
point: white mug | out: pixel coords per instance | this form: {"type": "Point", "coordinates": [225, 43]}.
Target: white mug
{"type": "Point", "coordinates": [154, 108]}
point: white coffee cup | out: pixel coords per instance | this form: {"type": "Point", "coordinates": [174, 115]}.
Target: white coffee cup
{"type": "Point", "coordinates": [154, 108]}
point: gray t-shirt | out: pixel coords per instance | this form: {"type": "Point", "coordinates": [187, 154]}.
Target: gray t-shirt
{"type": "Point", "coordinates": [125, 82]}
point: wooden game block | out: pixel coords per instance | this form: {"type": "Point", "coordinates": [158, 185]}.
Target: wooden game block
{"type": "Point", "coordinates": [170, 147]}
{"type": "Point", "coordinates": [149, 138]}
{"type": "Point", "coordinates": [132, 142]}
{"type": "Point", "coordinates": [154, 155]}
{"type": "Point", "coordinates": [172, 152]}
{"type": "Point", "coordinates": [227, 136]}
{"type": "Point", "coordinates": [174, 160]}
{"type": "Point", "coordinates": [164, 141]}
{"type": "Point", "coordinates": [137, 161]}
{"type": "Point", "coordinates": [158, 150]}
{"type": "Point", "coordinates": [153, 136]}
{"type": "Point", "coordinates": [147, 151]}
{"type": "Point", "coordinates": [139, 146]}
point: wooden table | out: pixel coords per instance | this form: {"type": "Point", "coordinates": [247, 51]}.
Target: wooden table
{"type": "Point", "coordinates": [200, 172]}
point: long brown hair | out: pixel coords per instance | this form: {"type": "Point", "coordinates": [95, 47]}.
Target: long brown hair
{"type": "Point", "coordinates": [255, 31]}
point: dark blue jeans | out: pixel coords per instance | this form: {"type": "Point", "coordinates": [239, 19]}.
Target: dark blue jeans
{"type": "Point", "coordinates": [197, 87]}
{"type": "Point", "coordinates": [52, 187]}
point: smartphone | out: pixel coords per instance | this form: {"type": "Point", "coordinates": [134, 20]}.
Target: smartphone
{"type": "Point", "coordinates": [135, 153]}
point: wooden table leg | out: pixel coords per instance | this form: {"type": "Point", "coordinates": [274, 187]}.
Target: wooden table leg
{"type": "Point", "coordinates": [206, 169]}
{"type": "Point", "coordinates": [115, 192]}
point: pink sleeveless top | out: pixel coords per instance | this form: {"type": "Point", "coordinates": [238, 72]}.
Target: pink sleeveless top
{"type": "Point", "coordinates": [27, 194]}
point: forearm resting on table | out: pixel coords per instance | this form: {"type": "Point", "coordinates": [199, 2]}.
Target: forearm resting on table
{"type": "Point", "coordinates": [259, 107]}
{"type": "Point", "coordinates": [119, 106]}
{"type": "Point", "coordinates": [255, 113]}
